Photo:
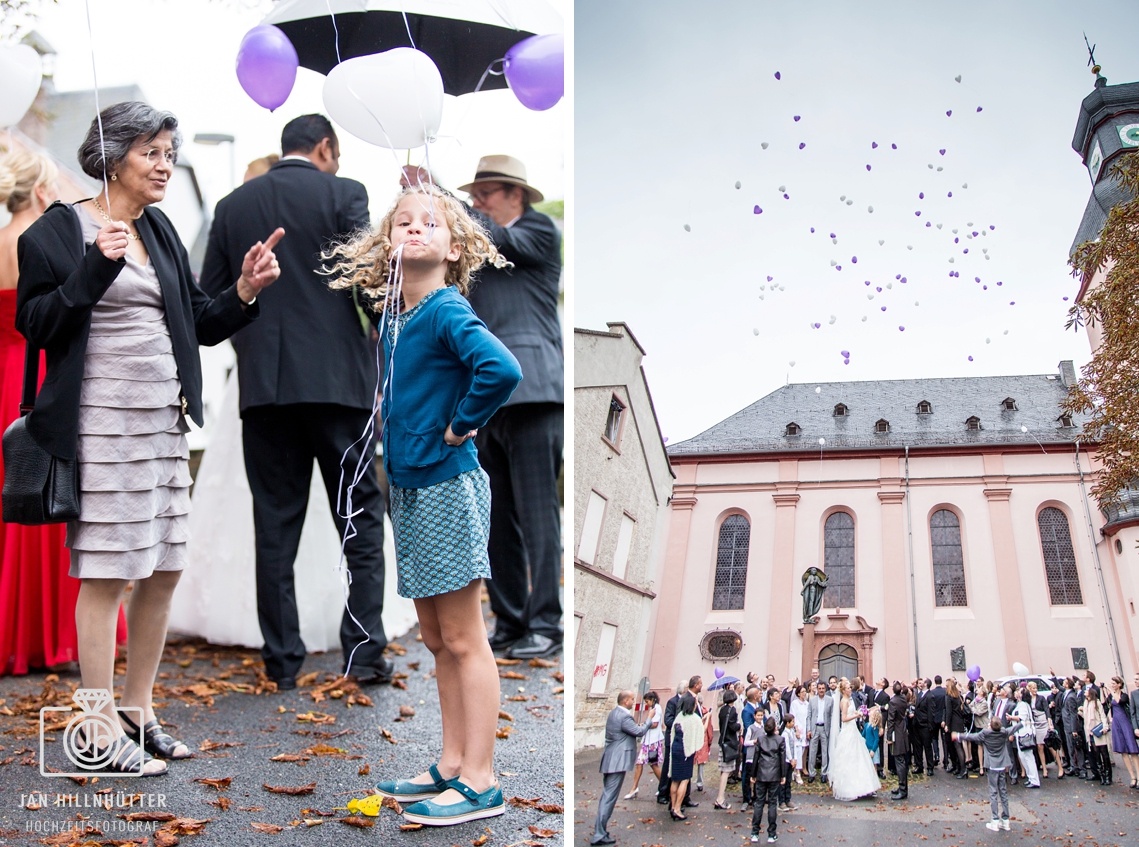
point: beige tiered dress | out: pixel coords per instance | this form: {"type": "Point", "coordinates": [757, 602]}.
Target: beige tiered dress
{"type": "Point", "coordinates": [134, 476]}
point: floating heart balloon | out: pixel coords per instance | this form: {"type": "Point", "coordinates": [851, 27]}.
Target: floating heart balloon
{"type": "Point", "coordinates": [881, 241]}
{"type": "Point", "coordinates": [964, 185]}
{"type": "Point", "coordinates": [939, 226]}
{"type": "Point", "coordinates": [869, 296]}
{"type": "Point", "coordinates": [974, 672]}
{"type": "Point", "coordinates": [796, 117]}
{"type": "Point", "coordinates": [832, 320]}
{"type": "Point", "coordinates": [782, 188]}
{"type": "Point", "coordinates": [901, 329]}
{"type": "Point", "coordinates": [940, 169]}
{"type": "Point", "coordinates": [917, 214]}
{"type": "Point", "coordinates": [867, 167]}
{"type": "Point", "coordinates": [870, 209]}
{"type": "Point", "coordinates": [949, 114]}
{"type": "Point", "coordinates": [894, 146]}
{"type": "Point", "coordinates": [942, 151]}
{"type": "Point", "coordinates": [802, 144]}
{"type": "Point", "coordinates": [930, 166]}
{"type": "Point", "coordinates": [757, 211]}
{"type": "Point", "coordinates": [763, 144]}
{"type": "Point", "coordinates": [812, 229]}
{"type": "Point", "coordinates": [970, 358]}
{"type": "Point", "coordinates": [535, 70]}
{"type": "Point", "coordinates": [687, 228]}
{"type": "Point", "coordinates": [957, 78]}
{"type": "Point", "coordinates": [1019, 669]}
{"type": "Point", "coordinates": [854, 260]}
{"type": "Point", "coordinates": [770, 278]}
{"type": "Point", "coordinates": [720, 671]}
{"type": "Point", "coordinates": [392, 99]}
{"type": "Point", "coordinates": [883, 308]}
{"type": "Point", "coordinates": [921, 195]}
{"type": "Point", "coordinates": [818, 390]}
{"type": "Point", "coordinates": [22, 71]}
{"type": "Point", "coordinates": [978, 108]}
{"type": "Point", "coordinates": [846, 354]}
{"type": "Point", "coordinates": [867, 282]}
{"type": "Point", "coordinates": [833, 235]}
{"type": "Point", "coordinates": [878, 288]}
{"type": "Point", "coordinates": [267, 67]}
{"type": "Point", "coordinates": [817, 325]}
{"type": "Point", "coordinates": [833, 263]}
{"type": "Point", "coordinates": [909, 247]}
{"type": "Point", "coordinates": [755, 331]}
{"type": "Point", "coordinates": [950, 193]}
{"type": "Point", "coordinates": [843, 197]}
{"type": "Point", "coordinates": [890, 285]}
{"type": "Point", "coordinates": [864, 318]}
{"type": "Point", "coordinates": [791, 363]}
{"type": "Point", "coordinates": [737, 185]}
{"type": "Point", "coordinates": [873, 145]}
{"type": "Point", "coordinates": [777, 76]}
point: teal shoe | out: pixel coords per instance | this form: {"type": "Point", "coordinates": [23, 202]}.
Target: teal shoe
{"type": "Point", "coordinates": [475, 806]}
{"type": "Point", "coordinates": [406, 791]}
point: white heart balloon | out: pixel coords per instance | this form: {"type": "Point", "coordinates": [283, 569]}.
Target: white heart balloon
{"type": "Point", "coordinates": [391, 99]}
{"type": "Point", "coordinates": [1019, 669]}
{"type": "Point", "coordinates": [21, 70]}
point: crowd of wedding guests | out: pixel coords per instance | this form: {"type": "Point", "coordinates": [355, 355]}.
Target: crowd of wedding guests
{"type": "Point", "coordinates": [771, 737]}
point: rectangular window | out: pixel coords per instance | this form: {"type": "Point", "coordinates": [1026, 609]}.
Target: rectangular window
{"type": "Point", "coordinates": [591, 529]}
{"type": "Point", "coordinates": [613, 421]}
{"type": "Point", "coordinates": [604, 656]}
{"type": "Point", "coordinates": [624, 542]}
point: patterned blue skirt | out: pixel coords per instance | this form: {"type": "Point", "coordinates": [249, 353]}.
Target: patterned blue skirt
{"type": "Point", "coordinates": [441, 534]}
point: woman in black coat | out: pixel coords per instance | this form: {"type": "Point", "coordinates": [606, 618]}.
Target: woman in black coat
{"type": "Point", "coordinates": [729, 745]}
{"type": "Point", "coordinates": [955, 722]}
{"type": "Point", "coordinates": [105, 290]}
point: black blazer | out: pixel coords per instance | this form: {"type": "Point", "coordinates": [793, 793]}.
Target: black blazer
{"type": "Point", "coordinates": [729, 732]}
{"type": "Point", "coordinates": [310, 345]}
{"type": "Point", "coordinates": [520, 304]}
{"type": "Point", "coordinates": [937, 698]}
{"type": "Point", "coordinates": [61, 280]}
{"type": "Point", "coordinates": [896, 725]}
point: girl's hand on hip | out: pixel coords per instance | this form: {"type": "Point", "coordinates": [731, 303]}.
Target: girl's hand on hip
{"type": "Point", "coordinates": [453, 440]}
{"type": "Point", "coordinates": [112, 240]}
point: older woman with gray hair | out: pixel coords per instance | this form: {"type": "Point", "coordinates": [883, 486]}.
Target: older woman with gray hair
{"type": "Point", "coordinates": [105, 289]}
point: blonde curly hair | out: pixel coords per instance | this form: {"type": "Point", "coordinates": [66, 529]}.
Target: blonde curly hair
{"type": "Point", "coordinates": [21, 174]}
{"type": "Point", "coordinates": [364, 260]}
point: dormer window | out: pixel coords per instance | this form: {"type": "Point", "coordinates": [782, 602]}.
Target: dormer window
{"type": "Point", "coordinates": [973, 424]}
{"type": "Point", "coordinates": [613, 421]}
{"type": "Point", "coordinates": [1065, 420]}
{"type": "Point", "coordinates": [792, 429]}
{"type": "Point", "coordinates": [882, 426]}
{"type": "Point", "coordinates": [1008, 404]}
{"type": "Point", "coordinates": [924, 408]}
{"type": "Point", "coordinates": [841, 411]}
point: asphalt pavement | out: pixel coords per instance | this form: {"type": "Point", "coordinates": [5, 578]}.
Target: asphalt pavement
{"type": "Point", "coordinates": [332, 742]}
{"type": "Point", "coordinates": [941, 810]}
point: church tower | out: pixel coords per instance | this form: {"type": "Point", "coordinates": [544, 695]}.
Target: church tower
{"type": "Point", "coordinates": [1108, 127]}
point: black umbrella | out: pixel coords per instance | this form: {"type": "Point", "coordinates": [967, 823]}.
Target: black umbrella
{"type": "Point", "coordinates": [462, 47]}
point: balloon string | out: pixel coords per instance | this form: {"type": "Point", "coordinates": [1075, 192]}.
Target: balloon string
{"type": "Point", "coordinates": [98, 111]}
{"type": "Point", "coordinates": [335, 30]}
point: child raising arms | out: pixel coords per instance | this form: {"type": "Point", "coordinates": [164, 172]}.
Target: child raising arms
{"type": "Point", "coordinates": [445, 374]}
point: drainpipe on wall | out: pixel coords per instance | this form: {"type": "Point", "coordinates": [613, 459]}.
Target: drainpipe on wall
{"type": "Point", "coordinates": [1099, 569]}
{"type": "Point", "coordinates": [913, 589]}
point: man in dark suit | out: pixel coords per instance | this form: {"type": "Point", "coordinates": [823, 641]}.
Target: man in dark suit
{"type": "Point", "coordinates": [926, 728]}
{"type": "Point", "coordinates": [307, 377]}
{"type": "Point", "coordinates": [617, 759]}
{"type": "Point", "coordinates": [671, 710]}
{"type": "Point", "coordinates": [897, 733]}
{"type": "Point", "coordinates": [940, 729]}
{"type": "Point", "coordinates": [521, 446]}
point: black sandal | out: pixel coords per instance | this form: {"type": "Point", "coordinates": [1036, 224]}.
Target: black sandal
{"type": "Point", "coordinates": [125, 756]}
{"type": "Point", "coordinates": [157, 741]}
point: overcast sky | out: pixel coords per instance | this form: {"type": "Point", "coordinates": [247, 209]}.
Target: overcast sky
{"type": "Point", "coordinates": [182, 54]}
{"type": "Point", "coordinates": [673, 101]}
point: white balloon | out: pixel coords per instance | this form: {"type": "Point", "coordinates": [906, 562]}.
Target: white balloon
{"type": "Point", "coordinates": [951, 260]}
{"type": "Point", "coordinates": [782, 188]}
{"type": "Point", "coordinates": [843, 197]}
{"type": "Point", "coordinates": [940, 168]}
{"type": "Point", "coordinates": [889, 285]}
{"type": "Point", "coordinates": [22, 71]}
{"type": "Point", "coordinates": [687, 228]}
{"type": "Point", "coordinates": [869, 296]}
{"type": "Point", "coordinates": [968, 223]}
{"type": "Point", "coordinates": [881, 241]}
{"type": "Point", "coordinates": [755, 331]}
{"type": "Point", "coordinates": [870, 208]}
{"type": "Point", "coordinates": [954, 231]}
{"type": "Point", "coordinates": [850, 202]}
{"type": "Point", "coordinates": [916, 303]}
{"type": "Point", "coordinates": [763, 145]}
{"type": "Point", "coordinates": [909, 247]}
{"type": "Point", "coordinates": [1019, 669]}
{"type": "Point", "coordinates": [822, 442]}
{"type": "Point", "coordinates": [938, 226]}
{"type": "Point", "coordinates": [833, 319]}
{"type": "Point", "coordinates": [818, 390]}
{"type": "Point", "coordinates": [792, 363]}
{"type": "Point", "coordinates": [1006, 332]}
{"type": "Point", "coordinates": [833, 263]}
{"type": "Point", "coordinates": [737, 184]}
{"type": "Point", "coordinates": [391, 99]}
{"type": "Point", "coordinates": [834, 241]}
{"type": "Point", "coordinates": [864, 318]}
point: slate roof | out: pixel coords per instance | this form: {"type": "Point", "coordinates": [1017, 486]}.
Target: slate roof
{"type": "Point", "coordinates": [760, 427]}
{"type": "Point", "coordinates": [1106, 195]}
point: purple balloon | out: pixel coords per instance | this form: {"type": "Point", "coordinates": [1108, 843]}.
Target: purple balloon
{"type": "Point", "coordinates": [846, 354]}
{"type": "Point", "coordinates": [802, 144]}
{"type": "Point", "coordinates": [873, 145]}
{"type": "Point", "coordinates": [942, 151]}
{"type": "Point", "coordinates": [797, 118]}
{"type": "Point", "coordinates": [893, 146]}
{"type": "Point", "coordinates": [921, 195]}
{"type": "Point", "coordinates": [535, 70]}
{"type": "Point", "coordinates": [777, 77]}
{"type": "Point", "coordinates": [901, 329]}
{"type": "Point", "coordinates": [978, 108]}
{"type": "Point", "coordinates": [720, 671]}
{"type": "Point", "coordinates": [867, 167]}
{"type": "Point", "coordinates": [949, 114]}
{"type": "Point", "coordinates": [757, 211]}
{"type": "Point", "coordinates": [812, 229]}
{"type": "Point", "coordinates": [974, 673]}
{"type": "Point", "coordinates": [267, 66]}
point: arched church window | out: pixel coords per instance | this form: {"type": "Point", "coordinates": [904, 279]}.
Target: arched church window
{"type": "Point", "coordinates": [1059, 558]}
{"type": "Point", "coordinates": [838, 560]}
{"type": "Point", "coordinates": [948, 559]}
{"type": "Point", "coordinates": [731, 563]}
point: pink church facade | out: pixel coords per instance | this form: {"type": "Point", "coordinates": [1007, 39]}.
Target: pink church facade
{"type": "Point", "coordinates": [947, 514]}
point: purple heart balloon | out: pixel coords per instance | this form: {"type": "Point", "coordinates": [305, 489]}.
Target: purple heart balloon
{"type": "Point", "coordinates": [894, 146]}
{"type": "Point", "coordinates": [786, 196]}
{"type": "Point", "coordinates": [867, 167]}
{"type": "Point", "coordinates": [966, 250]}
{"type": "Point", "coordinates": [1000, 283]}
{"type": "Point", "coordinates": [770, 278]}
{"type": "Point", "coordinates": [921, 195]}
{"type": "Point", "coordinates": [949, 114]}
{"type": "Point", "coordinates": [883, 308]}
{"type": "Point", "coordinates": [846, 361]}
{"type": "Point", "coordinates": [817, 326]}
{"type": "Point", "coordinates": [833, 235]}
{"type": "Point", "coordinates": [854, 260]}
{"type": "Point", "coordinates": [267, 66]}
{"type": "Point", "coordinates": [777, 76]}
{"type": "Point", "coordinates": [898, 276]}
{"type": "Point", "coordinates": [942, 151]}
{"type": "Point", "coordinates": [838, 268]}
{"type": "Point", "coordinates": [846, 353]}
{"type": "Point", "coordinates": [802, 144]}
{"type": "Point", "coordinates": [901, 329]}
{"type": "Point", "coordinates": [986, 288]}
{"type": "Point", "coordinates": [956, 240]}
{"type": "Point", "coordinates": [878, 288]}
{"type": "Point", "coordinates": [991, 226]}
{"type": "Point", "coordinates": [757, 211]}
{"type": "Point", "coordinates": [1065, 299]}
{"type": "Point", "coordinates": [812, 229]}
{"type": "Point", "coordinates": [928, 224]}
{"type": "Point", "coordinates": [535, 71]}
{"type": "Point", "coordinates": [797, 117]}
{"type": "Point", "coordinates": [978, 108]}
{"type": "Point", "coordinates": [903, 279]}
{"type": "Point", "coordinates": [977, 279]}
{"type": "Point", "coordinates": [918, 214]}
{"type": "Point", "coordinates": [873, 145]}
{"type": "Point", "coordinates": [1012, 302]}
{"type": "Point", "coordinates": [867, 282]}
{"type": "Point", "coordinates": [720, 671]}
{"type": "Point", "coordinates": [970, 358]}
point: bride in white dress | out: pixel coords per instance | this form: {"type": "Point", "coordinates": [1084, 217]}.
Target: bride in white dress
{"type": "Point", "coordinates": [852, 773]}
{"type": "Point", "coordinates": [216, 598]}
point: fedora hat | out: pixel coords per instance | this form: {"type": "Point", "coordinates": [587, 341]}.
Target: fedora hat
{"type": "Point", "coordinates": [505, 169]}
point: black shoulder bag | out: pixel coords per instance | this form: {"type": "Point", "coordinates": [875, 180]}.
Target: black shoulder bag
{"type": "Point", "coordinates": [39, 488]}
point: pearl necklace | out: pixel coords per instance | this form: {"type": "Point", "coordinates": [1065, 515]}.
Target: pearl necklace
{"type": "Point", "coordinates": [95, 200]}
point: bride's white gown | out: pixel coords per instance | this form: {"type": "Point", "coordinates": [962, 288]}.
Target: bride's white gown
{"type": "Point", "coordinates": [216, 598]}
{"type": "Point", "coordinates": [852, 774]}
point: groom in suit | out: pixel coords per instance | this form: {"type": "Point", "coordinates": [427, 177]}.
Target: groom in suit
{"type": "Point", "coordinates": [819, 709]}
{"type": "Point", "coordinates": [618, 758]}
{"type": "Point", "coordinates": [307, 379]}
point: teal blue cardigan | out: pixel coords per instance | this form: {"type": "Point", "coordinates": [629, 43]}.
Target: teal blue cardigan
{"type": "Point", "coordinates": [448, 369]}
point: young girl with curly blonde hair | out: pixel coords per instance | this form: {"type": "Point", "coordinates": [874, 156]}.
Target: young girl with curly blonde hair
{"type": "Point", "coordinates": [445, 374]}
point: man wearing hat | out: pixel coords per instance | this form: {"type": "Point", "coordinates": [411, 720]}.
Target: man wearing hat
{"type": "Point", "coordinates": [521, 446]}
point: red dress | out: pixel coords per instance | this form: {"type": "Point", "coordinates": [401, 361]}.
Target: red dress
{"type": "Point", "coordinates": [37, 597]}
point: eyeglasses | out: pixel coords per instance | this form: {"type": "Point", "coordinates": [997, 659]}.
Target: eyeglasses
{"type": "Point", "coordinates": [481, 196]}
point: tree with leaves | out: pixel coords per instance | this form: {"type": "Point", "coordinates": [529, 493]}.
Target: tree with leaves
{"type": "Point", "coordinates": [1108, 393]}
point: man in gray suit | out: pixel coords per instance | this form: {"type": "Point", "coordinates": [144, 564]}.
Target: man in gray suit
{"type": "Point", "coordinates": [819, 709]}
{"type": "Point", "coordinates": [619, 756]}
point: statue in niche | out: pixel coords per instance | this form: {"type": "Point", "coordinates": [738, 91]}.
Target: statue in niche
{"type": "Point", "coordinates": [814, 584]}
